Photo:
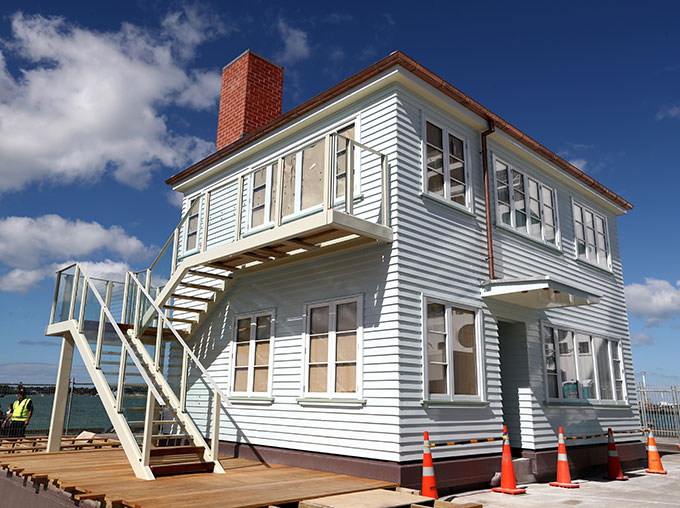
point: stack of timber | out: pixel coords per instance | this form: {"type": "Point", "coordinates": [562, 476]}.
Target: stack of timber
{"type": "Point", "coordinates": [36, 444]}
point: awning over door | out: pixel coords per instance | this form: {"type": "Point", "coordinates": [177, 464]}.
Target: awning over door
{"type": "Point", "coordinates": [537, 293]}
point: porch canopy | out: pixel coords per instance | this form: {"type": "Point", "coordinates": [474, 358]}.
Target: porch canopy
{"type": "Point", "coordinates": [537, 293]}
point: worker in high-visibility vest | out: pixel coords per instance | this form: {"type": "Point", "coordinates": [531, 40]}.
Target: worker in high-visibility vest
{"type": "Point", "coordinates": [18, 416]}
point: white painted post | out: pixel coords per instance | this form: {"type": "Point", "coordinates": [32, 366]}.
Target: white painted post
{"type": "Point", "coordinates": [206, 212]}
{"type": "Point", "coordinates": [349, 178]}
{"type": "Point", "coordinates": [147, 283]}
{"type": "Point", "coordinates": [121, 379]}
{"type": "Point", "coordinates": [183, 381]}
{"type": "Point", "coordinates": [83, 304]}
{"type": "Point", "coordinates": [159, 344]}
{"type": "Point", "coordinates": [102, 325]}
{"type": "Point", "coordinates": [138, 301]}
{"type": "Point", "coordinates": [126, 290]}
{"type": "Point", "coordinates": [175, 248]}
{"type": "Point", "coordinates": [148, 428]}
{"type": "Point", "coordinates": [279, 191]}
{"type": "Point", "coordinates": [60, 395]}
{"type": "Point", "coordinates": [74, 292]}
{"type": "Point", "coordinates": [215, 441]}
{"type": "Point", "coordinates": [53, 313]}
{"type": "Point", "coordinates": [385, 192]}
{"type": "Point", "coordinates": [239, 209]}
{"type": "Point", "coordinates": [328, 171]}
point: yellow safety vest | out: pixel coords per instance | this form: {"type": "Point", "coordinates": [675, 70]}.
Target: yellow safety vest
{"type": "Point", "coordinates": [20, 410]}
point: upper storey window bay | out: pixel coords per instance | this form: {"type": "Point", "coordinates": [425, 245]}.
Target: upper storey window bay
{"type": "Point", "coordinates": [446, 172]}
{"type": "Point", "coordinates": [302, 182]}
{"type": "Point", "coordinates": [592, 237]}
{"type": "Point", "coordinates": [525, 204]}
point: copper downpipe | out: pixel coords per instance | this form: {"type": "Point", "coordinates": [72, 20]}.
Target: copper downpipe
{"type": "Point", "coordinates": [487, 199]}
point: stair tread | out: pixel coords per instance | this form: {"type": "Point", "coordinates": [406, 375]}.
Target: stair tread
{"type": "Point", "coordinates": [175, 450]}
{"type": "Point", "coordinates": [198, 273]}
{"type": "Point", "coordinates": [193, 298]}
{"type": "Point", "coordinates": [182, 309]}
{"type": "Point", "coordinates": [202, 287]}
{"type": "Point", "coordinates": [184, 467]}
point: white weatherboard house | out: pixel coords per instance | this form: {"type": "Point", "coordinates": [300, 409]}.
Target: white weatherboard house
{"type": "Point", "coordinates": [387, 258]}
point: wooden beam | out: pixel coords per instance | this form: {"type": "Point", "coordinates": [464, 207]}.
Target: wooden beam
{"type": "Point", "coordinates": [300, 244]}
{"type": "Point", "coordinates": [269, 251]}
{"type": "Point", "coordinates": [255, 256]}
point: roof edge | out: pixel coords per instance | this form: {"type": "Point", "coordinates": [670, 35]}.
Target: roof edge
{"type": "Point", "coordinates": [393, 59]}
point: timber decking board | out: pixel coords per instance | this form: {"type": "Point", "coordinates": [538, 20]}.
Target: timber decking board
{"type": "Point", "coordinates": [246, 484]}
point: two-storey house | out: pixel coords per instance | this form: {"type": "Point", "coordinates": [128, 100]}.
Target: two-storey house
{"type": "Point", "coordinates": [387, 258]}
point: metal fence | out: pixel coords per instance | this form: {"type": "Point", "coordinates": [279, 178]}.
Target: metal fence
{"type": "Point", "coordinates": [84, 410]}
{"type": "Point", "coordinates": [660, 409]}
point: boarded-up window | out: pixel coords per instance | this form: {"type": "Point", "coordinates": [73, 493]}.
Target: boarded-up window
{"type": "Point", "coordinates": [333, 341]}
{"type": "Point", "coordinates": [342, 161]}
{"type": "Point", "coordinates": [192, 225]}
{"type": "Point", "coordinates": [451, 351]}
{"type": "Point", "coordinates": [253, 353]}
{"type": "Point", "coordinates": [312, 174]}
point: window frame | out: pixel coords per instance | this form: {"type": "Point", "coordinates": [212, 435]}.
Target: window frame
{"type": "Point", "coordinates": [596, 215]}
{"type": "Point", "coordinates": [446, 131]}
{"type": "Point", "coordinates": [451, 396]}
{"type": "Point", "coordinates": [611, 343]}
{"type": "Point", "coordinates": [267, 222]}
{"type": "Point", "coordinates": [199, 225]}
{"type": "Point", "coordinates": [332, 348]}
{"type": "Point", "coordinates": [251, 353]}
{"type": "Point", "coordinates": [495, 159]}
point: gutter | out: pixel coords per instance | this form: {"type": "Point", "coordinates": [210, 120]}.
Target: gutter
{"type": "Point", "coordinates": [487, 198]}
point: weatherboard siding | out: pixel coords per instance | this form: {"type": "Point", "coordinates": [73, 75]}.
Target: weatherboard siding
{"type": "Point", "coordinates": [439, 252]}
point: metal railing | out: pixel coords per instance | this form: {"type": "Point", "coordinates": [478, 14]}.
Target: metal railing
{"type": "Point", "coordinates": [660, 410]}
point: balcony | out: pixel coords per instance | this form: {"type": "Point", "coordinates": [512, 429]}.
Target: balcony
{"type": "Point", "coordinates": [331, 194]}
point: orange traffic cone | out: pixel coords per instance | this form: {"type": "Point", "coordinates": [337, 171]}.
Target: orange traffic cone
{"type": "Point", "coordinates": [613, 463]}
{"type": "Point", "coordinates": [563, 477]}
{"type": "Point", "coordinates": [508, 485]}
{"type": "Point", "coordinates": [429, 485]}
{"type": "Point", "coordinates": [654, 459]}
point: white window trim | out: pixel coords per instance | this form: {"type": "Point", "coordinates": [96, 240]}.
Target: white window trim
{"type": "Point", "coordinates": [199, 228]}
{"type": "Point", "coordinates": [251, 354]}
{"type": "Point", "coordinates": [580, 400]}
{"type": "Point", "coordinates": [608, 267]}
{"type": "Point", "coordinates": [479, 357]}
{"type": "Point", "coordinates": [330, 381]}
{"type": "Point", "coordinates": [512, 227]}
{"type": "Point", "coordinates": [468, 207]}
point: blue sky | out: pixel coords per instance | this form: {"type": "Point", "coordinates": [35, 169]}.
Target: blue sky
{"type": "Point", "coordinates": [100, 103]}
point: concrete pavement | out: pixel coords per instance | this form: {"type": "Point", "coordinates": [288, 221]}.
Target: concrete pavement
{"type": "Point", "coordinates": [641, 491]}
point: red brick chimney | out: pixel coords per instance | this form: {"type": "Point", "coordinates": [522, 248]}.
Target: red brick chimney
{"type": "Point", "coordinates": [250, 97]}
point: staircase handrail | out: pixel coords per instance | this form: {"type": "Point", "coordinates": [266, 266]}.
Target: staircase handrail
{"type": "Point", "coordinates": [179, 338]}
{"type": "Point", "coordinates": [121, 336]}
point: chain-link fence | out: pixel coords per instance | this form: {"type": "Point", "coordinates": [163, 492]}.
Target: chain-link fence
{"type": "Point", "coordinates": [84, 410]}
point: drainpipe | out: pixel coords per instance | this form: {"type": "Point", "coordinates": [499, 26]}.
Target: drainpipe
{"type": "Point", "coordinates": [487, 198]}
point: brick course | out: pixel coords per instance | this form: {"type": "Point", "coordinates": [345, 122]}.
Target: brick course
{"type": "Point", "coordinates": [250, 97]}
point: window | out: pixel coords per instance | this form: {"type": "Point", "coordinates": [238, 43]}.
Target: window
{"type": "Point", "coordinates": [525, 204]}
{"type": "Point", "coordinates": [451, 352]}
{"type": "Point", "coordinates": [592, 238]}
{"type": "Point", "coordinates": [445, 169]}
{"type": "Point", "coordinates": [341, 161]}
{"type": "Point", "coordinates": [580, 366]}
{"type": "Point", "coordinates": [333, 342]}
{"type": "Point", "coordinates": [262, 203]}
{"type": "Point", "coordinates": [253, 352]}
{"type": "Point", "coordinates": [191, 228]}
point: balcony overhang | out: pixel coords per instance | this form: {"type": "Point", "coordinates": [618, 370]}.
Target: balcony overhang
{"type": "Point", "coordinates": [313, 235]}
{"type": "Point", "coordinates": [537, 293]}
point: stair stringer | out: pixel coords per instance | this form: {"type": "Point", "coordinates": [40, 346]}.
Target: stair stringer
{"type": "Point", "coordinates": [120, 425]}
{"type": "Point", "coordinates": [183, 418]}
{"type": "Point", "coordinates": [210, 307]}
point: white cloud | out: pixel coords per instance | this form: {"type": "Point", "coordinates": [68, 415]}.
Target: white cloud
{"type": "Point", "coordinates": [641, 339]}
{"type": "Point", "coordinates": [27, 242]}
{"type": "Point", "coordinates": [175, 198]}
{"type": "Point", "coordinates": [654, 301]}
{"type": "Point", "coordinates": [88, 102]}
{"type": "Point", "coordinates": [295, 45]}
{"type": "Point", "coordinates": [580, 163]}
{"type": "Point", "coordinates": [668, 112]}
{"type": "Point", "coordinates": [22, 280]}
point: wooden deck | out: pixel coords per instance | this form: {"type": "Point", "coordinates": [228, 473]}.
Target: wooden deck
{"type": "Point", "coordinates": [106, 474]}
